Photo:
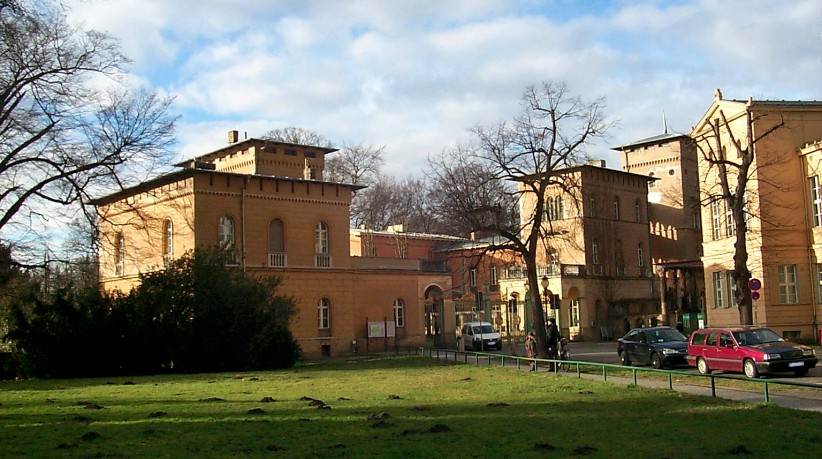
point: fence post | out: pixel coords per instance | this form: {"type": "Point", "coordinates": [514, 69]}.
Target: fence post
{"type": "Point", "coordinates": [465, 356]}
{"type": "Point", "coordinates": [536, 366]}
{"type": "Point", "coordinates": [438, 354]}
{"type": "Point", "coordinates": [489, 360]}
{"type": "Point", "coordinates": [670, 381]}
{"type": "Point", "coordinates": [579, 374]}
{"type": "Point", "coordinates": [502, 361]}
{"type": "Point", "coordinates": [634, 372]}
{"type": "Point", "coordinates": [713, 387]}
{"type": "Point", "coordinates": [604, 373]}
{"type": "Point", "coordinates": [477, 356]}
{"type": "Point", "coordinates": [767, 394]}
{"type": "Point", "coordinates": [556, 367]}
{"type": "Point", "coordinates": [517, 363]}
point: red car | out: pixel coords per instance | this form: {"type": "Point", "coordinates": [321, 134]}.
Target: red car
{"type": "Point", "coordinates": [748, 350]}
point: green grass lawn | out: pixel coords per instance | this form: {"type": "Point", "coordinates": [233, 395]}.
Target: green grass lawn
{"type": "Point", "coordinates": [442, 410]}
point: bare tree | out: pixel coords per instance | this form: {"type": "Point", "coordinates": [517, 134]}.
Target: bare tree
{"type": "Point", "coordinates": [357, 164]}
{"type": "Point", "coordinates": [61, 137]}
{"type": "Point", "coordinates": [389, 201]}
{"type": "Point", "coordinates": [297, 136]}
{"type": "Point", "coordinates": [518, 162]}
{"type": "Point", "coordinates": [733, 173]}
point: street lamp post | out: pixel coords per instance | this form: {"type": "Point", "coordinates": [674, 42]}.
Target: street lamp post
{"type": "Point", "coordinates": [545, 297]}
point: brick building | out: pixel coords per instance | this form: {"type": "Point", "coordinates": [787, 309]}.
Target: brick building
{"type": "Point", "coordinates": [267, 204]}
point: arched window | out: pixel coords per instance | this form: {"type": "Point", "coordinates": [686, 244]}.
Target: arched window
{"type": "Point", "coordinates": [592, 206]}
{"type": "Point", "coordinates": [226, 232]}
{"type": "Point", "coordinates": [324, 314]}
{"type": "Point", "coordinates": [399, 312]}
{"type": "Point", "coordinates": [549, 209]}
{"type": "Point", "coordinates": [595, 252]}
{"type": "Point", "coordinates": [560, 208]}
{"type": "Point", "coordinates": [616, 207]}
{"type": "Point", "coordinates": [321, 238]}
{"type": "Point", "coordinates": [119, 254]}
{"type": "Point", "coordinates": [640, 255]}
{"type": "Point", "coordinates": [168, 240]}
{"type": "Point", "coordinates": [637, 211]}
{"type": "Point", "coordinates": [652, 182]}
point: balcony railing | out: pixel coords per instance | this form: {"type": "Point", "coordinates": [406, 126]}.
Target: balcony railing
{"type": "Point", "coordinates": [322, 260]}
{"type": "Point", "coordinates": [277, 259]}
{"type": "Point", "coordinates": [520, 272]}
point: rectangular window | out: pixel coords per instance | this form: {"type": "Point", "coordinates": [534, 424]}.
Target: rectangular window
{"type": "Point", "coordinates": [472, 277]}
{"type": "Point", "coordinates": [595, 252]}
{"type": "Point", "coordinates": [819, 282]}
{"type": "Point", "coordinates": [493, 275]}
{"type": "Point", "coordinates": [399, 312]}
{"type": "Point", "coordinates": [574, 313]}
{"type": "Point", "coordinates": [719, 290]}
{"type": "Point", "coordinates": [816, 200]}
{"type": "Point", "coordinates": [787, 284]}
{"type": "Point", "coordinates": [729, 277]}
{"type": "Point", "coordinates": [640, 254]}
{"type": "Point", "coordinates": [730, 224]}
{"type": "Point", "coordinates": [324, 314]}
{"type": "Point", "coordinates": [716, 220]}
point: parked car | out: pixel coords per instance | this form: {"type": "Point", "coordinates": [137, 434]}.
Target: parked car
{"type": "Point", "coordinates": [480, 336]}
{"type": "Point", "coordinates": [752, 351]}
{"type": "Point", "coordinates": [657, 346]}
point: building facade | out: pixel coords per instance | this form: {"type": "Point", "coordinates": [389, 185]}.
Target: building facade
{"type": "Point", "coordinates": [782, 200]}
{"type": "Point", "coordinates": [266, 204]}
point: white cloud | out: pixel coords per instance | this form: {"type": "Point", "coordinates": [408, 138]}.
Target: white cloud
{"type": "Point", "coordinates": [416, 75]}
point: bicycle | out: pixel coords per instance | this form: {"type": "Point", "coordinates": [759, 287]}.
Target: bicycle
{"type": "Point", "coordinates": [563, 354]}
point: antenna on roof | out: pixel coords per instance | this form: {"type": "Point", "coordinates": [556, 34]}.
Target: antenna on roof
{"type": "Point", "coordinates": [664, 123]}
{"type": "Point", "coordinates": [245, 133]}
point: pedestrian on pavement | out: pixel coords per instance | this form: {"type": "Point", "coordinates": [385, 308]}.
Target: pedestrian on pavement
{"type": "Point", "coordinates": [552, 338]}
{"type": "Point", "coordinates": [531, 348]}
{"type": "Point", "coordinates": [626, 326]}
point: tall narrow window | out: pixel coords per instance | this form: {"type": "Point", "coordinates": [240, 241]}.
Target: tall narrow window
{"type": "Point", "coordinates": [560, 208]}
{"type": "Point", "coordinates": [321, 238]}
{"type": "Point", "coordinates": [620, 260]}
{"type": "Point", "coordinates": [322, 259]}
{"type": "Point", "coordinates": [595, 252]}
{"type": "Point", "coordinates": [640, 255]}
{"type": "Point", "coordinates": [787, 284]}
{"type": "Point", "coordinates": [816, 200]}
{"type": "Point", "coordinates": [226, 232]}
{"type": "Point", "coordinates": [399, 312]}
{"type": "Point", "coordinates": [719, 290]}
{"type": "Point", "coordinates": [637, 211]}
{"type": "Point", "coordinates": [729, 277]}
{"type": "Point", "coordinates": [730, 222]}
{"type": "Point", "coordinates": [716, 219]}
{"type": "Point", "coordinates": [819, 282]}
{"type": "Point", "coordinates": [592, 207]}
{"type": "Point", "coordinates": [549, 209]}
{"type": "Point", "coordinates": [276, 243]}
{"type": "Point", "coordinates": [324, 314]}
{"type": "Point", "coordinates": [493, 275]}
{"type": "Point", "coordinates": [168, 240]}
{"type": "Point", "coordinates": [616, 207]}
{"type": "Point", "coordinates": [472, 277]}
{"type": "Point", "coordinates": [574, 313]}
{"type": "Point", "coordinates": [119, 254]}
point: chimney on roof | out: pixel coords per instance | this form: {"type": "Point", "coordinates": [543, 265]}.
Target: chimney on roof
{"type": "Point", "coordinates": [233, 136]}
{"type": "Point", "coordinates": [718, 94]}
{"type": "Point", "coordinates": [472, 236]}
{"type": "Point", "coordinates": [596, 163]}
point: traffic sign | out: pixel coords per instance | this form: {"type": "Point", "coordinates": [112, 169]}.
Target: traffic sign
{"type": "Point", "coordinates": [754, 284]}
{"type": "Point", "coordinates": [754, 295]}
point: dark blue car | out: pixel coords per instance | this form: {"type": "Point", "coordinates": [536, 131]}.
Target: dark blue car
{"type": "Point", "coordinates": [656, 346]}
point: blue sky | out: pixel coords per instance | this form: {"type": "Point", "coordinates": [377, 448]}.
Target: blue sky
{"type": "Point", "coordinates": [415, 76]}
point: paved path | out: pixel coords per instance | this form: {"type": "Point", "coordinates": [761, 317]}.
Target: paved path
{"type": "Point", "coordinates": [811, 400]}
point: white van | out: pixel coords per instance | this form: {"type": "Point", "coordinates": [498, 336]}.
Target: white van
{"type": "Point", "coordinates": [480, 336]}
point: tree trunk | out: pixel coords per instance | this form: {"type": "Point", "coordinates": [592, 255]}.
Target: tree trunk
{"type": "Point", "coordinates": [741, 275]}
{"type": "Point", "coordinates": [536, 306]}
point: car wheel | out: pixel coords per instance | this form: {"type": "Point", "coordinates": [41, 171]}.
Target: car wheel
{"type": "Point", "coordinates": [656, 361]}
{"type": "Point", "coordinates": [624, 358]}
{"type": "Point", "coordinates": [702, 366]}
{"type": "Point", "coordinates": [750, 369]}
{"type": "Point", "coordinates": [800, 371]}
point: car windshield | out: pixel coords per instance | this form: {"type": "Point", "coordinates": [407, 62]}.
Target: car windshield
{"type": "Point", "coordinates": [664, 335]}
{"type": "Point", "coordinates": [483, 329]}
{"type": "Point", "coordinates": [759, 336]}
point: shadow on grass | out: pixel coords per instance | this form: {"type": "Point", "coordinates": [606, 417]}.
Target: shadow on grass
{"type": "Point", "coordinates": [606, 420]}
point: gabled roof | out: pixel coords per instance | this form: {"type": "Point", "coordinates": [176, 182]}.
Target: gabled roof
{"type": "Point", "coordinates": [214, 153]}
{"type": "Point", "coordinates": [412, 235]}
{"type": "Point", "coordinates": [661, 138]}
{"type": "Point", "coordinates": [580, 167]}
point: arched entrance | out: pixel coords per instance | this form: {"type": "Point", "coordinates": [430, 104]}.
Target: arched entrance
{"type": "Point", "coordinates": [434, 315]}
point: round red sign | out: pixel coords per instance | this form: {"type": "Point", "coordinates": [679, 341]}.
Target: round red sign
{"type": "Point", "coordinates": [754, 295]}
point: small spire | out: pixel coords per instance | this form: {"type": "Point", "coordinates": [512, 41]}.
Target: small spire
{"type": "Point", "coordinates": [664, 123]}
{"type": "Point", "coordinates": [718, 94]}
